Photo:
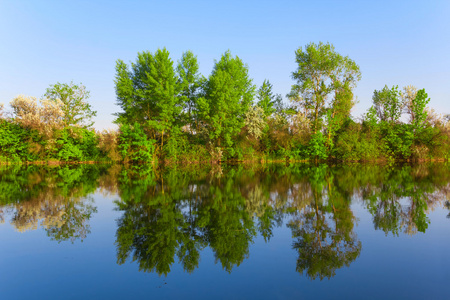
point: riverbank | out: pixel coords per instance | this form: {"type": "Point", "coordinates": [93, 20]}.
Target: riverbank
{"type": "Point", "coordinates": [229, 162]}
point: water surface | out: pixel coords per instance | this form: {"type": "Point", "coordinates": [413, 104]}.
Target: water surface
{"type": "Point", "coordinates": [239, 232]}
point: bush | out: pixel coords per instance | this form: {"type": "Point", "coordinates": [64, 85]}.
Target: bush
{"type": "Point", "coordinates": [355, 143]}
{"type": "Point", "coordinates": [317, 146]}
{"type": "Point", "coordinates": [134, 145]}
{"type": "Point", "coordinates": [77, 144]}
{"type": "Point", "coordinates": [176, 145]}
{"type": "Point", "coordinates": [107, 144]}
{"type": "Point", "coordinates": [398, 140]}
{"type": "Point", "coordinates": [14, 142]}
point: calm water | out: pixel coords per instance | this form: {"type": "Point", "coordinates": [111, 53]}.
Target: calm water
{"type": "Point", "coordinates": [230, 232]}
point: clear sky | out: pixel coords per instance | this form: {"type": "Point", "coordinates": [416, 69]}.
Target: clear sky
{"type": "Point", "coordinates": [394, 42]}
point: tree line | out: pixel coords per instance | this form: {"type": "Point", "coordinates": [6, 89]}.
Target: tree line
{"type": "Point", "coordinates": [172, 113]}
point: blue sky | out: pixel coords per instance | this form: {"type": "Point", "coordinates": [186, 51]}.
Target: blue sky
{"type": "Point", "coordinates": [394, 42]}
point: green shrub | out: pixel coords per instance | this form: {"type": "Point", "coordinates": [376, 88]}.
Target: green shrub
{"type": "Point", "coordinates": [317, 146]}
{"type": "Point", "coordinates": [76, 144]}
{"type": "Point", "coordinates": [134, 145]}
{"type": "Point", "coordinates": [14, 142]}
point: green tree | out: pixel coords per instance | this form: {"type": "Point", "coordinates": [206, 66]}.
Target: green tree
{"type": "Point", "coordinates": [229, 93]}
{"type": "Point", "coordinates": [77, 111]}
{"type": "Point", "coordinates": [422, 134]}
{"type": "Point", "coordinates": [339, 111]}
{"type": "Point", "coordinates": [191, 83]}
{"type": "Point", "coordinates": [321, 73]}
{"type": "Point", "coordinates": [135, 108]}
{"type": "Point", "coordinates": [397, 138]}
{"type": "Point", "coordinates": [387, 104]}
{"type": "Point", "coordinates": [418, 110]}
{"type": "Point", "coordinates": [148, 93]}
{"type": "Point", "coordinates": [163, 87]}
{"type": "Point", "coordinates": [266, 99]}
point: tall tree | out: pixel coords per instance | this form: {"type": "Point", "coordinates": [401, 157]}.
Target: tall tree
{"type": "Point", "coordinates": [148, 93]}
{"type": "Point", "coordinates": [127, 98]}
{"type": "Point", "coordinates": [323, 73]}
{"type": "Point", "coordinates": [77, 111]}
{"type": "Point", "coordinates": [343, 81]}
{"type": "Point", "coordinates": [229, 92]}
{"type": "Point", "coordinates": [164, 88]}
{"type": "Point", "coordinates": [191, 82]}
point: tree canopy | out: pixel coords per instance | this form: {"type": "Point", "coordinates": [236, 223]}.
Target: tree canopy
{"type": "Point", "coordinates": [322, 73]}
{"type": "Point", "coordinates": [228, 95]}
{"type": "Point", "coordinates": [77, 111]}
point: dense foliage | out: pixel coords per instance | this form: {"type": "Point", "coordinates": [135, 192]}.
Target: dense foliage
{"type": "Point", "coordinates": [54, 128]}
{"type": "Point", "coordinates": [172, 113]}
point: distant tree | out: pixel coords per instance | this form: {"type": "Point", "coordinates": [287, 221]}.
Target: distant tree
{"type": "Point", "coordinates": [266, 98]}
{"type": "Point", "coordinates": [415, 103]}
{"type": "Point", "coordinates": [387, 104]}
{"type": "Point", "coordinates": [396, 138]}
{"type": "Point", "coordinates": [77, 111]}
{"type": "Point", "coordinates": [418, 112]}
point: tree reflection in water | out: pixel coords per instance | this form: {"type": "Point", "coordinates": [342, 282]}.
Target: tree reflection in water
{"type": "Point", "coordinates": [54, 198]}
{"type": "Point", "coordinates": [323, 231]}
{"type": "Point", "coordinates": [174, 214]}
{"type": "Point", "coordinates": [181, 217]}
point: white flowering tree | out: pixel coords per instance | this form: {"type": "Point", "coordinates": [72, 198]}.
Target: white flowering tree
{"type": "Point", "coordinates": [254, 121]}
{"type": "Point", "coordinates": [44, 115]}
